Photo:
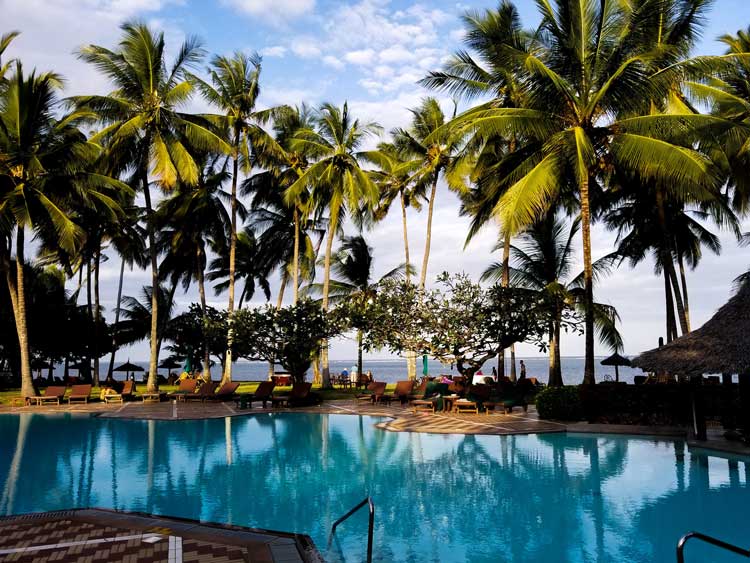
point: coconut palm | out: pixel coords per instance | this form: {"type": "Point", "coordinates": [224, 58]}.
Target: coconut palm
{"type": "Point", "coordinates": [393, 177]}
{"type": "Point", "coordinates": [543, 261]}
{"type": "Point", "coordinates": [234, 89]}
{"type": "Point", "coordinates": [352, 264]}
{"type": "Point", "coordinates": [591, 78]}
{"type": "Point", "coordinates": [144, 130]}
{"type": "Point", "coordinates": [5, 40]}
{"type": "Point", "coordinates": [46, 167]}
{"type": "Point", "coordinates": [336, 180]}
{"type": "Point", "coordinates": [191, 221]}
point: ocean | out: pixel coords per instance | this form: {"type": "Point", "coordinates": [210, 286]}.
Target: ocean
{"type": "Point", "coordinates": [392, 370]}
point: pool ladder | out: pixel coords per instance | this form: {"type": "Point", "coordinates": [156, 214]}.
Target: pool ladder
{"type": "Point", "coordinates": [709, 540]}
{"type": "Point", "coordinates": [370, 527]}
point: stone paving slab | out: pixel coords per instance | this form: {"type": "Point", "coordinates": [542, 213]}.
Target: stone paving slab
{"type": "Point", "coordinates": [89, 535]}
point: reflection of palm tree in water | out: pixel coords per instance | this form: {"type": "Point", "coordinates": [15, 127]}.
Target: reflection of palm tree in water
{"type": "Point", "coordinates": [9, 490]}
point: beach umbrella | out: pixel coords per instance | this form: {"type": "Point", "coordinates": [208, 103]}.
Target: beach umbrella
{"type": "Point", "coordinates": [188, 365]}
{"type": "Point", "coordinates": [425, 367]}
{"type": "Point", "coordinates": [169, 363]}
{"type": "Point", "coordinates": [616, 360]}
{"type": "Point", "coordinates": [128, 367]}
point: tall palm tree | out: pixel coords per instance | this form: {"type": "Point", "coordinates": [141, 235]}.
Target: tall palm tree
{"type": "Point", "coordinates": [46, 168]}
{"type": "Point", "coordinates": [352, 264]}
{"type": "Point", "coordinates": [144, 130]}
{"type": "Point", "coordinates": [234, 89]}
{"type": "Point", "coordinates": [192, 220]}
{"type": "Point", "coordinates": [336, 180]}
{"type": "Point", "coordinates": [483, 70]}
{"type": "Point", "coordinates": [543, 261]}
{"type": "Point", "coordinates": [393, 177]}
{"type": "Point", "coordinates": [591, 77]}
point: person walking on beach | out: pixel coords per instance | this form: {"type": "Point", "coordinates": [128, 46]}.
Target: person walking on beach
{"type": "Point", "coordinates": [523, 370]}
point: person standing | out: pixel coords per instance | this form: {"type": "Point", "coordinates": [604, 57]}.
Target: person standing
{"type": "Point", "coordinates": [523, 370]}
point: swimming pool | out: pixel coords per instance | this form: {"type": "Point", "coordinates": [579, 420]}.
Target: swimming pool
{"type": "Point", "coordinates": [548, 497]}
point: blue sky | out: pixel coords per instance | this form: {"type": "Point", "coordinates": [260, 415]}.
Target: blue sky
{"type": "Point", "coordinates": [369, 52]}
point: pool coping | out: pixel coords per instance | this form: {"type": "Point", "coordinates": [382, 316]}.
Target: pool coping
{"type": "Point", "coordinates": [263, 545]}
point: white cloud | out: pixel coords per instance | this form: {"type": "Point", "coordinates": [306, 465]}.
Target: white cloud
{"type": "Point", "coordinates": [333, 62]}
{"type": "Point", "coordinates": [275, 51]}
{"type": "Point", "coordinates": [274, 10]}
{"type": "Point", "coordinates": [360, 57]}
{"type": "Point", "coordinates": [306, 48]}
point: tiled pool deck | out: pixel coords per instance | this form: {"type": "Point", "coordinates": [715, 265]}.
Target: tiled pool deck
{"type": "Point", "coordinates": [91, 535]}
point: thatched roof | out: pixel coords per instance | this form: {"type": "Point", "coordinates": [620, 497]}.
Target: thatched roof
{"type": "Point", "coordinates": [722, 345]}
{"type": "Point", "coordinates": [615, 360]}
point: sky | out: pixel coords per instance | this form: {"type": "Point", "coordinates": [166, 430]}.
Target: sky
{"type": "Point", "coordinates": [370, 53]}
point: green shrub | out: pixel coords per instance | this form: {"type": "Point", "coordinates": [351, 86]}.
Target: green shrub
{"type": "Point", "coordinates": [560, 403]}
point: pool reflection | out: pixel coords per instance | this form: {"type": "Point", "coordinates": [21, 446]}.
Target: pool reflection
{"type": "Point", "coordinates": [552, 497]}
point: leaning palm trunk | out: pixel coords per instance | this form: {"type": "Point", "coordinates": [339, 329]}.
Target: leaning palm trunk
{"type": "Point", "coordinates": [332, 224]}
{"type": "Point", "coordinates": [669, 302]}
{"type": "Point", "coordinates": [295, 273]}
{"type": "Point", "coordinates": [683, 278]}
{"type": "Point", "coordinates": [411, 356]}
{"type": "Point", "coordinates": [90, 330]}
{"type": "Point", "coordinates": [227, 376]}
{"type": "Point", "coordinates": [669, 263]}
{"type": "Point", "coordinates": [506, 283]}
{"type": "Point", "coordinates": [19, 308]}
{"type": "Point", "coordinates": [117, 322]}
{"type": "Point", "coordinates": [589, 376]}
{"type": "Point", "coordinates": [152, 382]}
{"type": "Point", "coordinates": [202, 293]}
{"type": "Point", "coordinates": [428, 238]}
{"type": "Point", "coordinates": [97, 308]}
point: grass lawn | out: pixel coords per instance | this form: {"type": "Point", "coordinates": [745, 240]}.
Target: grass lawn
{"type": "Point", "coordinates": [245, 387]}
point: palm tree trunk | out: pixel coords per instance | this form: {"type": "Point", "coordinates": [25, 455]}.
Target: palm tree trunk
{"type": "Point", "coordinates": [27, 382]}
{"type": "Point", "coordinates": [97, 309]}
{"type": "Point", "coordinates": [683, 278]}
{"type": "Point", "coordinates": [90, 329]}
{"type": "Point", "coordinates": [359, 354]}
{"type": "Point", "coordinates": [411, 355]}
{"type": "Point", "coordinates": [227, 377]}
{"type": "Point", "coordinates": [506, 283]}
{"type": "Point", "coordinates": [555, 369]}
{"type": "Point", "coordinates": [671, 323]}
{"type": "Point", "coordinates": [117, 322]}
{"type": "Point", "coordinates": [428, 238]}
{"type": "Point", "coordinates": [152, 382]}
{"type": "Point", "coordinates": [295, 277]}
{"type": "Point", "coordinates": [202, 293]}
{"type": "Point", "coordinates": [589, 376]}
{"type": "Point", "coordinates": [332, 225]}
{"type": "Point", "coordinates": [279, 302]}
{"type": "Point", "coordinates": [668, 261]}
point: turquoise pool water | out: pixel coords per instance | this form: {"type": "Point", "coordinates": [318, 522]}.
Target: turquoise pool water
{"type": "Point", "coordinates": [553, 497]}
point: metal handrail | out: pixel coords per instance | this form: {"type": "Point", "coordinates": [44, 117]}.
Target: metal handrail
{"type": "Point", "coordinates": [370, 527]}
{"type": "Point", "coordinates": [709, 540]}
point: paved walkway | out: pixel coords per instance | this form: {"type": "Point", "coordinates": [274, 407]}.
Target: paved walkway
{"type": "Point", "coordinates": [88, 535]}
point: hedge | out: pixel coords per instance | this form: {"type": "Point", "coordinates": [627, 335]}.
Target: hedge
{"type": "Point", "coordinates": [560, 403]}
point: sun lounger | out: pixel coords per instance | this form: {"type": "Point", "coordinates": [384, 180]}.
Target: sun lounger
{"type": "Point", "coordinates": [206, 391]}
{"type": "Point", "coordinates": [79, 394]}
{"type": "Point", "coordinates": [401, 393]}
{"type": "Point", "coordinates": [127, 393]}
{"type": "Point", "coordinates": [226, 392]}
{"type": "Point", "coordinates": [300, 396]}
{"type": "Point", "coordinates": [464, 405]}
{"type": "Point", "coordinates": [187, 386]}
{"type": "Point", "coordinates": [376, 392]}
{"type": "Point", "coordinates": [263, 393]}
{"type": "Point", "coordinates": [420, 391]}
{"type": "Point", "coordinates": [53, 395]}
{"type": "Point", "coordinates": [423, 405]}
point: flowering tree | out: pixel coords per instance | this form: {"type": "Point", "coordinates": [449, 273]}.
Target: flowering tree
{"type": "Point", "coordinates": [189, 331]}
{"type": "Point", "coordinates": [461, 323]}
{"type": "Point", "coordinates": [289, 335]}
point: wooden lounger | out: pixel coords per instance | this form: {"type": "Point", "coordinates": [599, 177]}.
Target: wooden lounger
{"type": "Point", "coordinates": [263, 393]}
{"type": "Point", "coordinates": [462, 405]}
{"type": "Point", "coordinates": [423, 405]}
{"type": "Point", "coordinates": [299, 394]}
{"type": "Point", "coordinates": [53, 394]}
{"type": "Point", "coordinates": [79, 394]}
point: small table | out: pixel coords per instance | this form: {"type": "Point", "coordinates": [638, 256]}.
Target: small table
{"type": "Point", "coordinates": [421, 405]}
{"type": "Point", "coordinates": [464, 405]}
{"type": "Point", "coordinates": [449, 401]}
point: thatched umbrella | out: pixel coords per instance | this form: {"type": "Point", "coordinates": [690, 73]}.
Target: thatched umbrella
{"type": "Point", "coordinates": [719, 346]}
{"type": "Point", "coordinates": [128, 368]}
{"type": "Point", "coordinates": [616, 360]}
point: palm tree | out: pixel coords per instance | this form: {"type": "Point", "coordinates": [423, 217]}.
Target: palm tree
{"type": "Point", "coordinates": [144, 131]}
{"type": "Point", "coordinates": [46, 167]}
{"type": "Point", "coordinates": [543, 261]}
{"type": "Point", "coordinates": [352, 264]}
{"type": "Point", "coordinates": [192, 220]}
{"type": "Point", "coordinates": [5, 40]}
{"type": "Point", "coordinates": [393, 177]}
{"type": "Point", "coordinates": [592, 76]}
{"type": "Point", "coordinates": [234, 89]}
{"type": "Point", "coordinates": [138, 314]}
{"type": "Point", "coordinates": [337, 181]}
